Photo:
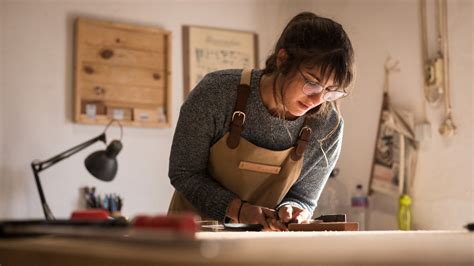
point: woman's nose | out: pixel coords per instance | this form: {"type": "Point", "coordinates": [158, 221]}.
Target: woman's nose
{"type": "Point", "coordinates": [316, 99]}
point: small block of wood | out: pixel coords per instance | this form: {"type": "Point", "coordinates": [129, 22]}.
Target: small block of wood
{"type": "Point", "coordinates": [335, 226]}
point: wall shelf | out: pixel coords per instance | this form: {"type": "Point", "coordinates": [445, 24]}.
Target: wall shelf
{"type": "Point", "coordinates": [122, 72]}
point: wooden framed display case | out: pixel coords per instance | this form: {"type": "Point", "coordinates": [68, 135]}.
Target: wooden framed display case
{"type": "Point", "coordinates": [122, 72]}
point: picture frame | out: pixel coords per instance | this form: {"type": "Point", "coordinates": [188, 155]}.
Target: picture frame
{"type": "Point", "coordinates": [207, 49]}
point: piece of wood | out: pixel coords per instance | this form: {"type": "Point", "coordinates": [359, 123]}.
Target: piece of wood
{"type": "Point", "coordinates": [133, 96]}
{"type": "Point", "coordinates": [335, 226]}
{"type": "Point", "coordinates": [122, 75]}
{"type": "Point", "coordinates": [122, 66]}
{"type": "Point", "coordinates": [250, 248]}
{"type": "Point", "coordinates": [123, 56]}
{"type": "Point", "coordinates": [103, 119]}
{"type": "Point", "coordinates": [102, 33]}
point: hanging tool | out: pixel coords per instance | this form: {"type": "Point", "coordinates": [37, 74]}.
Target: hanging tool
{"type": "Point", "coordinates": [447, 128]}
{"type": "Point", "coordinates": [433, 68]}
{"type": "Point", "coordinates": [436, 71]}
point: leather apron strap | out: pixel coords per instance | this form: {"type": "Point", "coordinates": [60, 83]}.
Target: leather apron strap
{"type": "Point", "coordinates": [238, 116]}
{"type": "Point", "coordinates": [302, 142]}
{"type": "Point", "coordinates": [238, 119]}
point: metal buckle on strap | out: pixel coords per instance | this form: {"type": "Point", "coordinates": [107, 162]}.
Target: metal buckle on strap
{"type": "Point", "coordinates": [305, 127]}
{"type": "Point", "coordinates": [238, 113]}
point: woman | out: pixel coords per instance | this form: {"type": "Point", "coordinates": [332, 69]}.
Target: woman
{"type": "Point", "coordinates": [258, 147]}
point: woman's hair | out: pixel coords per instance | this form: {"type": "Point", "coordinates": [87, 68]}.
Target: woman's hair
{"type": "Point", "coordinates": [308, 41]}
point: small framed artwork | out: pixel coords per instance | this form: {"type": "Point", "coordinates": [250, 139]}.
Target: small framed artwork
{"type": "Point", "coordinates": [208, 49]}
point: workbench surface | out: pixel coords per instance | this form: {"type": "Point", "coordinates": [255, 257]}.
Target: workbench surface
{"type": "Point", "coordinates": [251, 248]}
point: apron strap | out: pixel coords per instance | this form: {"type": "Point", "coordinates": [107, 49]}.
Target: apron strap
{"type": "Point", "coordinates": [245, 77]}
{"type": "Point", "coordinates": [302, 142]}
{"type": "Point", "coordinates": [238, 120]}
{"type": "Point", "coordinates": [238, 117]}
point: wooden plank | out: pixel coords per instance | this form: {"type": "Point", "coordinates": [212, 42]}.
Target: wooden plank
{"type": "Point", "coordinates": [77, 71]}
{"type": "Point", "coordinates": [122, 93]}
{"type": "Point", "coordinates": [186, 63]}
{"type": "Point", "coordinates": [122, 57]}
{"type": "Point", "coordinates": [104, 120]}
{"type": "Point", "coordinates": [251, 248]}
{"type": "Point", "coordinates": [106, 34]}
{"type": "Point", "coordinates": [122, 75]}
{"type": "Point", "coordinates": [168, 96]}
{"type": "Point", "coordinates": [336, 226]}
{"type": "Point", "coordinates": [124, 26]}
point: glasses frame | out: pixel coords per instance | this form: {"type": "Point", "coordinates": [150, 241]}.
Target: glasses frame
{"type": "Point", "coordinates": [323, 90]}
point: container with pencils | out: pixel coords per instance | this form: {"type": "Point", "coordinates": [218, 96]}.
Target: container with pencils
{"type": "Point", "coordinates": [112, 202]}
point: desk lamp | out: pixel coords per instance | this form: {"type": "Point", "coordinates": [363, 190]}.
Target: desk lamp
{"type": "Point", "coordinates": [101, 164]}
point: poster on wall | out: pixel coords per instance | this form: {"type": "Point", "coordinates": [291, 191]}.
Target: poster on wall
{"type": "Point", "coordinates": [208, 49]}
{"type": "Point", "coordinates": [395, 153]}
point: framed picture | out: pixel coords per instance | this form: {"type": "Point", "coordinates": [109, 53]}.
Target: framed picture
{"type": "Point", "coordinates": [208, 49]}
{"type": "Point", "coordinates": [395, 153]}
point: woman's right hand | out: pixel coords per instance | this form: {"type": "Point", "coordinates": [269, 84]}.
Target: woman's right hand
{"type": "Point", "coordinates": [253, 214]}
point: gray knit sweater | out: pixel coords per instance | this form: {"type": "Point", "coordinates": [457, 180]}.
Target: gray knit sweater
{"type": "Point", "coordinates": [205, 117]}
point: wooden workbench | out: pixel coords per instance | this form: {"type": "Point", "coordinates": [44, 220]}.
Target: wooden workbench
{"type": "Point", "coordinates": [251, 248]}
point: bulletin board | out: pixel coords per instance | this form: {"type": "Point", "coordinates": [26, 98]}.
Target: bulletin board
{"type": "Point", "coordinates": [208, 49]}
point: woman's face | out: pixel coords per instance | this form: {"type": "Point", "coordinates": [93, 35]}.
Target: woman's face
{"type": "Point", "coordinates": [295, 100]}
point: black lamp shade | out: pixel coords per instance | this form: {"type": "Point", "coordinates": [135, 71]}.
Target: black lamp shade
{"type": "Point", "coordinates": [103, 164]}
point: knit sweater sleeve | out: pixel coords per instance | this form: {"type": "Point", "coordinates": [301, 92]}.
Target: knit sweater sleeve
{"type": "Point", "coordinates": [304, 194]}
{"type": "Point", "coordinates": [195, 133]}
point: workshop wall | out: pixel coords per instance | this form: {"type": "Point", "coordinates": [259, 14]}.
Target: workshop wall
{"type": "Point", "coordinates": [443, 187]}
{"type": "Point", "coordinates": [2, 99]}
{"type": "Point", "coordinates": [36, 101]}
{"type": "Point", "coordinates": [37, 112]}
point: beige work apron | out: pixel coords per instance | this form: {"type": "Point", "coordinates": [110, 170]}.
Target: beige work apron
{"type": "Point", "coordinates": [258, 175]}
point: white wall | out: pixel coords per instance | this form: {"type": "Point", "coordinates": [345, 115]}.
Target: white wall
{"type": "Point", "coordinates": [38, 36]}
{"type": "Point", "coordinates": [38, 86]}
{"type": "Point", "coordinates": [443, 185]}
{"type": "Point", "coordinates": [2, 98]}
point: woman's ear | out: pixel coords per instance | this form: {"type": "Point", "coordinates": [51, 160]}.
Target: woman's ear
{"type": "Point", "coordinates": [281, 57]}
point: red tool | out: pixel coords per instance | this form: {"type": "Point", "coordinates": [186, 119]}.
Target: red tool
{"type": "Point", "coordinates": [186, 222]}
{"type": "Point", "coordinates": [90, 214]}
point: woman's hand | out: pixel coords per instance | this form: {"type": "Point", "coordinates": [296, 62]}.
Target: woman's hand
{"type": "Point", "coordinates": [253, 214]}
{"type": "Point", "coordinates": [292, 214]}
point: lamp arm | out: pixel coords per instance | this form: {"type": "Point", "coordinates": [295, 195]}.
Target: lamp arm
{"type": "Point", "coordinates": [42, 165]}
{"type": "Point", "coordinates": [38, 166]}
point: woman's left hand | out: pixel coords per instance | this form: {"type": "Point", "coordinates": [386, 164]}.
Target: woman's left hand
{"type": "Point", "coordinates": [292, 214]}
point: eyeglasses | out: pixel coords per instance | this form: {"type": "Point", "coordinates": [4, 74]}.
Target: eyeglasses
{"type": "Point", "coordinates": [311, 88]}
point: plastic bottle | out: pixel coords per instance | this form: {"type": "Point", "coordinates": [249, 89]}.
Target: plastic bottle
{"type": "Point", "coordinates": [404, 212]}
{"type": "Point", "coordinates": [359, 207]}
